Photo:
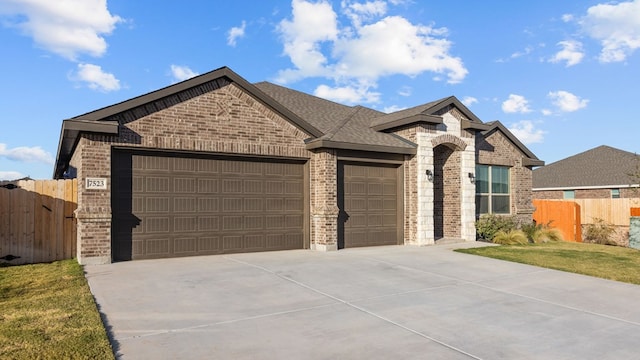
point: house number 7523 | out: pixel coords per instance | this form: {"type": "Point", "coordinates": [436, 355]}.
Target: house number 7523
{"type": "Point", "coordinates": [96, 183]}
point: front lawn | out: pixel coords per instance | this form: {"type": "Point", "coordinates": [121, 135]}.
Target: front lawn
{"type": "Point", "coordinates": [607, 262]}
{"type": "Point", "coordinates": [48, 312]}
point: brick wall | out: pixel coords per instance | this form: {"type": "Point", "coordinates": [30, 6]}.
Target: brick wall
{"type": "Point", "coordinates": [446, 189]}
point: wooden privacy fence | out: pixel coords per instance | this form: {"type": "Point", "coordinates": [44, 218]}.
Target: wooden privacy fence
{"type": "Point", "coordinates": [613, 211]}
{"type": "Point", "coordinates": [570, 215]}
{"type": "Point", "coordinates": [36, 221]}
{"type": "Point", "coordinates": [563, 215]}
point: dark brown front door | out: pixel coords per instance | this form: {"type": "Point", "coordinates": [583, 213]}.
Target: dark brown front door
{"type": "Point", "coordinates": [368, 202]}
{"type": "Point", "coordinates": [177, 205]}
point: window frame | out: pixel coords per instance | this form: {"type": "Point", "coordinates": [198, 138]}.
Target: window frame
{"type": "Point", "coordinates": [494, 189]}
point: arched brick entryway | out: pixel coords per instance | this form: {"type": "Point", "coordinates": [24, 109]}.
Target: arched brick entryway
{"type": "Point", "coordinates": [447, 160]}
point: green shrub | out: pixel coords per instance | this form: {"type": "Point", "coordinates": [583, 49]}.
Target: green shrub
{"type": "Point", "coordinates": [489, 224]}
{"type": "Point", "coordinates": [599, 232]}
{"type": "Point", "coordinates": [512, 237]}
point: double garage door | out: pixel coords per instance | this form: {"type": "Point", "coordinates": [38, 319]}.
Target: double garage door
{"type": "Point", "coordinates": [177, 205]}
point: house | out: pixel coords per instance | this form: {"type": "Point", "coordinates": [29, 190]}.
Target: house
{"type": "Point", "coordinates": [216, 164]}
{"type": "Point", "coordinates": [603, 172]}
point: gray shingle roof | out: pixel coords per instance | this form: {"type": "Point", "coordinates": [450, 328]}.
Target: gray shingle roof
{"type": "Point", "coordinates": [339, 123]}
{"type": "Point", "coordinates": [601, 166]}
{"type": "Point", "coordinates": [322, 114]}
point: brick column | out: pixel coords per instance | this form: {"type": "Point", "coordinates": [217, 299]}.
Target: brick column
{"type": "Point", "coordinates": [324, 201]}
{"type": "Point", "coordinates": [425, 226]}
{"type": "Point", "coordinates": [93, 160]}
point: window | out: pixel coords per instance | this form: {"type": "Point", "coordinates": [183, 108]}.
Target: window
{"type": "Point", "coordinates": [615, 193]}
{"type": "Point", "coordinates": [569, 194]}
{"type": "Point", "coordinates": [493, 194]}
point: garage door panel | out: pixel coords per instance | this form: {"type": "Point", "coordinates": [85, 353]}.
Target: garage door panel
{"type": "Point", "coordinates": [209, 244]}
{"type": "Point", "coordinates": [184, 246]}
{"type": "Point", "coordinates": [231, 186]}
{"type": "Point", "coordinates": [208, 186]}
{"type": "Point", "coordinates": [184, 185]}
{"type": "Point", "coordinates": [208, 223]}
{"type": "Point", "coordinates": [155, 225]}
{"type": "Point", "coordinates": [208, 204]}
{"type": "Point", "coordinates": [253, 205]}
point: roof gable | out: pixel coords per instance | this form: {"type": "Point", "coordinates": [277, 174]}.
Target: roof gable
{"type": "Point", "coordinates": [105, 120]}
{"type": "Point", "coordinates": [530, 159]}
{"type": "Point", "coordinates": [426, 113]}
{"type": "Point", "coordinates": [603, 166]}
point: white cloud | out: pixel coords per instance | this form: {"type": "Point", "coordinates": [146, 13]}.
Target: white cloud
{"type": "Point", "coordinates": [567, 17]}
{"type": "Point", "coordinates": [547, 112]}
{"type": "Point", "coordinates": [393, 45]}
{"type": "Point", "coordinates": [65, 27]}
{"type": "Point", "coordinates": [405, 91]}
{"type": "Point", "coordinates": [516, 104]}
{"type": "Point", "coordinates": [393, 108]}
{"type": "Point", "coordinates": [235, 33]}
{"type": "Point", "coordinates": [527, 50]}
{"type": "Point", "coordinates": [181, 73]}
{"type": "Point", "coordinates": [359, 12]}
{"type": "Point", "coordinates": [469, 100]}
{"type": "Point", "coordinates": [366, 49]}
{"type": "Point", "coordinates": [95, 78]}
{"type": "Point", "coordinates": [571, 53]}
{"type": "Point", "coordinates": [566, 101]}
{"type": "Point", "coordinates": [347, 94]}
{"type": "Point", "coordinates": [11, 175]}
{"type": "Point", "coordinates": [526, 132]}
{"type": "Point", "coordinates": [26, 154]}
{"type": "Point", "coordinates": [312, 24]}
{"type": "Point", "coordinates": [616, 26]}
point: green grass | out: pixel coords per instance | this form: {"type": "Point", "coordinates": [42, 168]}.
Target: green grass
{"type": "Point", "coordinates": [607, 262]}
{"type": "Point", "coordinates": [48, 312]}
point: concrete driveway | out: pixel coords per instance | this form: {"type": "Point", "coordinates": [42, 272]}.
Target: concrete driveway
{"type": "Point", "coordinates": [368, 303]}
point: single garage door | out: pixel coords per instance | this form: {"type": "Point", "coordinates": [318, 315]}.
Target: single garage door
{"type": "Point", "coordinates": [178, 205]}
{"type": "Point", "coordinates": [368, 201]}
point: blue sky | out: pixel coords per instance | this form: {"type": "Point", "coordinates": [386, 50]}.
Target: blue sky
{"type": "Point", "coordinates": [562, 75]}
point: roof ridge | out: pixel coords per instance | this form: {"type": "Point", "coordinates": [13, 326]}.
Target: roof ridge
{"type": "Point", "coordinates": [331, 133]}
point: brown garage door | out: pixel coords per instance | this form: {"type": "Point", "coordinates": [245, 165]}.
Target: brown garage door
{"type": "Point", "coordinates": [174, 205]}
{"type": "Point", "coordinates": [368, 201]}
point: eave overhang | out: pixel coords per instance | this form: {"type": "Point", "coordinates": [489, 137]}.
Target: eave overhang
{"type": "Point", "coordinates": [419, 118]}
{"type": "Point", "coordinates": [69, 136]}
{"type": "Point", "coordinates": [329, 144]}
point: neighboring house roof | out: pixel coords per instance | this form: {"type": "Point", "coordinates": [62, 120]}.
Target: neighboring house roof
{"type": "Point", "coordinates": [600, 167]}
{"type": "Point", "coordinates": [530, 160]}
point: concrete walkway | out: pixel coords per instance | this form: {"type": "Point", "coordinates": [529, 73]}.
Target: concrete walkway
{"type": "Point", "coordinates": [369, 303]}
